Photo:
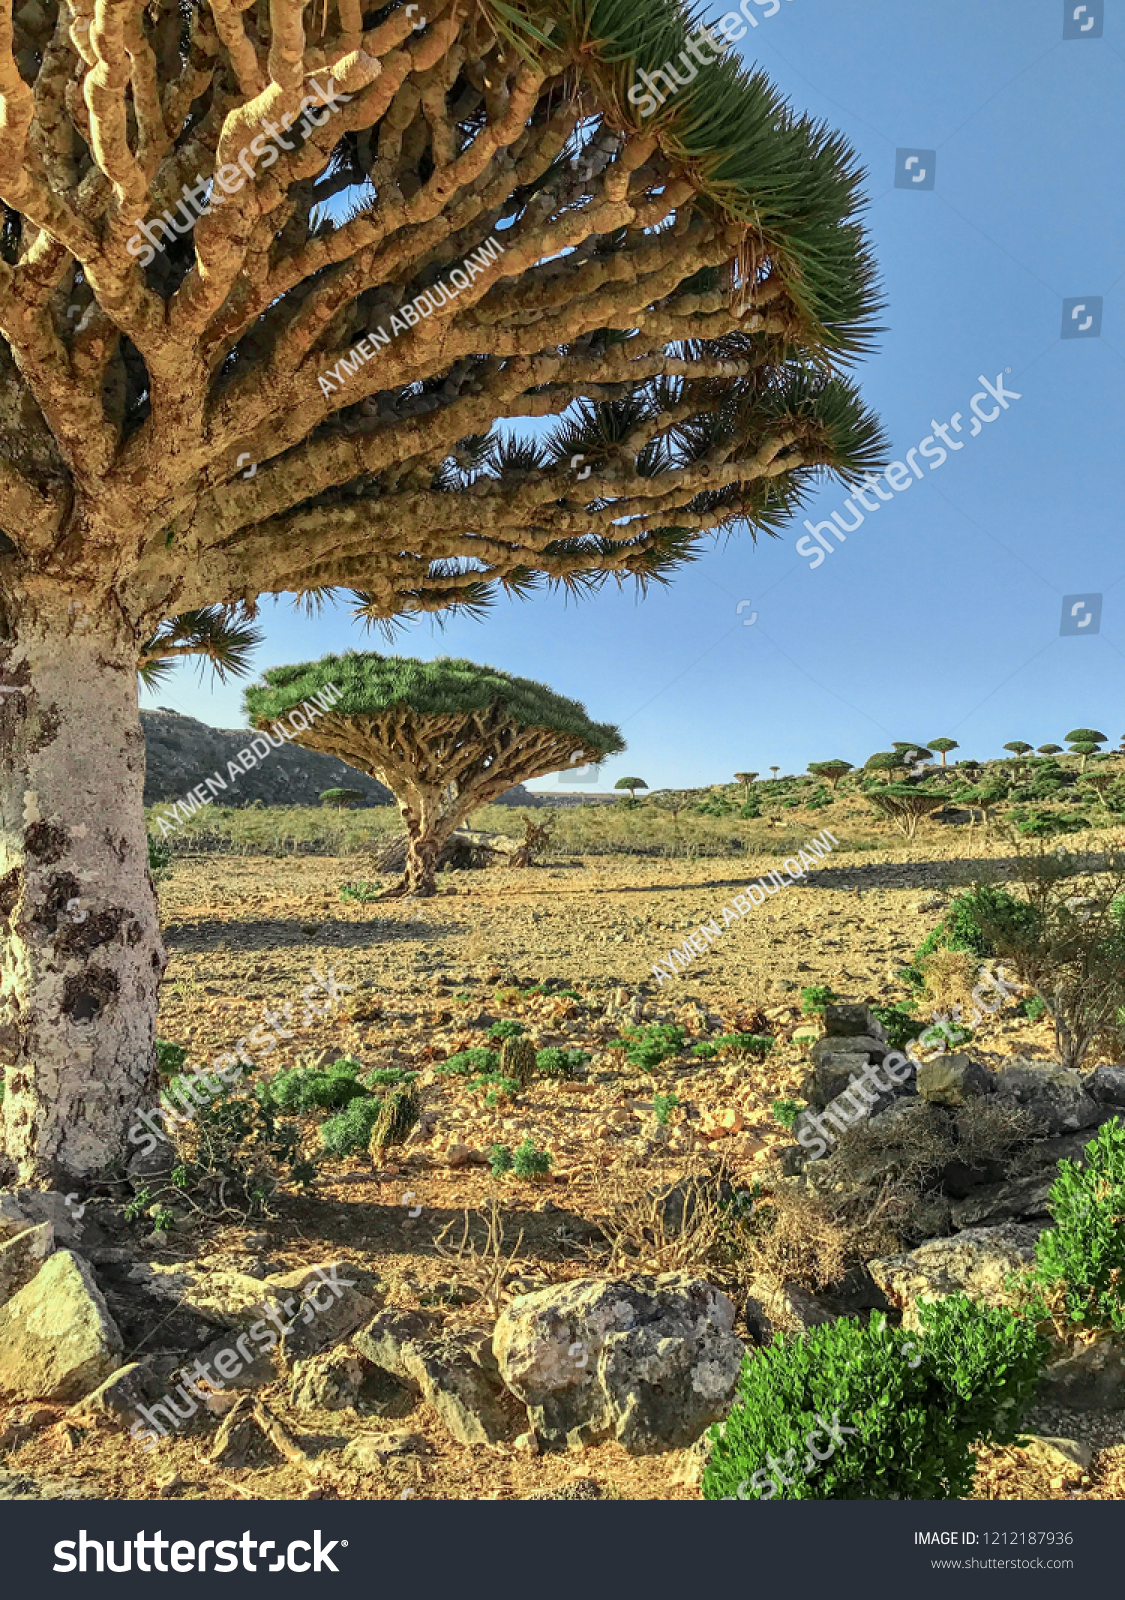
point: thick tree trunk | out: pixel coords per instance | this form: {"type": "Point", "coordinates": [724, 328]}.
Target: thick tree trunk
{"type": "Point", "coordinates": [82, 956]}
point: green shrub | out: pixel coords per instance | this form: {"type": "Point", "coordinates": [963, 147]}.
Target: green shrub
{"type": "Point", "coordinates": [466, 1062]}
{"type": "Point", "coordinates": [389, 1077]}
{"type": "Point", "coordinates": [750, 811]}
{"type": "Point", "coordinates": [898, 1023]}
{"type": "Point", "coordinates": [508, 1029]}
{"type": "Point", "coordinates": [906, 1411]}
{"type": "Point", "coordinates": [815, 998]}
{"type": "Point", "coordinates": [314, 1088]}
{"type": "Point", "coordinates": [647, 1046]}
{"type": "Point", "coordinates": [170, 1057]}
{"type": "Point", "coordinates": [963, 926]}
{"type": "Point", "coordinates": [1082, 1258]}
{"type": "Point", "coordinates": [349, 1131]}
{"type": "Point", "coordinates": [496, 1084]}
{"type": "Point", "coordinates": [663, 1105]}
{"type": "Point", "coordinates": [1032, 1008]}
{"type": "Point", "coordinates": [361, 890]}
{"type": "Point", "coordinates": [787, 1111]}
{"type": "Point", "coordinates": [557, 1062]}
{"type": "Point", "coordinates": [499, 1160]}
{"type": "Point", "coordinates": [159, 858]}
{"type": "Point", "coordinates": [528, 1161]}
{"type": "Point", "coordinates": [756, 1044]}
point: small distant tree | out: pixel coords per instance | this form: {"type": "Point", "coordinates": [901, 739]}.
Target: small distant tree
{"type": "Point", "coordinates": [775, 771]}
{"type": "Point", "coordinates": [832, 770]}
{"type": "Point", "coordinates": [1084, 742]}
{"type": "Point", "coordinates": [445, 736]}
{"type": "Point", "coordinates": [632, 784]}
{"type": "Point", "coordinates": [904, 805]}
{"type": "Point", "coordinates": [887, 761]}
{"type": "Point", "coordinates": [1101, 783]}
{"type": "Point", "coordinates": [341, 798]}
{"type": "Point", "coordinates": [943, 747]}
{"type": "Point", "coordinates": [1050, 750]}
{"type": "Point", "coordinates": [745, 779]}
{"type": "Point", "coordinates": [1018, 747]}
{"type": "Point", "coordinates": [986, 796]}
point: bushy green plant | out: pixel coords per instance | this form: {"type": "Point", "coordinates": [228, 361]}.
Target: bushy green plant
{"type": "Point", "coordinates": [528, 1161]}
{"type": "Point", "coordinates": [663, 1105]}
{"type": "Point", "coordinates": [757, 1044]}
{"type": "Point", "coordinates": [1082, 1257]}
{"type": "Point", "coordinates": [466, 1062]}
{"type": "Point", "coordinates": [159, 858]}
{"type": "Point", "coordinates": [506, 1029]}
{"type": "Point", "coordinates": [556, 1062]}
{"type": "Point", "coordinates": [349, 1131]}
{"type": "Point", "coordinates": [965, 925]}
{"type": "Point", "coordinates": [815, 997]}
{"type": "Point", "coordinates": [495, 1084]}
{"type": "Point", "coordinates": [361, 890]}
{"type": "Point", "coordinates": [236, 1151]}
{"type": "Point", "coordinates": [907, 1411]}
{"type": "Point", "coordinates": [170, 1057]}
{"type": "Point", "coordinates": [499, 1160]}
{"type": "Point", "coordinates": [750, 811]}
{"type": "Point", "coordinates": [787, 1111]}
{"type": "Point", "coordinates": [1032, 1008]}
{"type": "Point", "coordinates": [650, 1044]}
{"type": "Point", "coordinates": [315, 1088]}
{"type": "Point", "coordinates": [899, 1025]}
{"type": "Point", "coordinates": [389, 1077]}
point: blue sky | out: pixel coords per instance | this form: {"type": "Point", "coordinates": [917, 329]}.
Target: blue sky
{"type": "Point", "coordinates": [941, 614]}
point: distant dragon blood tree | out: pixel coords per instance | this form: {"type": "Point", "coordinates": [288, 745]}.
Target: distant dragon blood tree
{"type": "Point", "coordinates": [278, 284]}
{"type": "Point", "coordinates": [444, 736]}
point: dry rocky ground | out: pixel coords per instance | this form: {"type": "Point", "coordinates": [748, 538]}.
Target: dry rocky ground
{"type": "Point", "coordinates": [426, 979]}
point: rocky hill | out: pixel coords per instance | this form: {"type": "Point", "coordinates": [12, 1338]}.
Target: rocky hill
{"type": "Point", "coordinates": [181, 751]}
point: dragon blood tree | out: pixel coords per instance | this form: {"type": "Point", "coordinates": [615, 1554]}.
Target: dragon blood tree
{"type": "Point", "coordinates": [445, 736]}
{"type": "Point", "coordinates": [278, 284]}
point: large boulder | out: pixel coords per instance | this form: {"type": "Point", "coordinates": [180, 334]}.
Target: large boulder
{"type": "Point", "coordinates": [1004, 1202]}
{"type": "Point", "coordinates": [843, 1021]}
{"type": "Point", "coordinates": [459, 1379]}
{"type": "Point", "coordinates": [1107, 1084]}
{"type": "Point", "coordinates": [57, 1338]}
{"type": "Point", "coordinates": [976, 1262]}
{"type": "Point", "coordinates": [650, 1361]}
{"type": "Point", "coordinates": [1053, 1094]}
{"type": "Point", "coordinates": [953, 1080]}
{"type": "Point", "coordinates": [21, 1257]}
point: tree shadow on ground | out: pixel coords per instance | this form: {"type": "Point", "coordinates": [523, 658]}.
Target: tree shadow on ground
{"type": "Point", "coordinates": [262, 933]}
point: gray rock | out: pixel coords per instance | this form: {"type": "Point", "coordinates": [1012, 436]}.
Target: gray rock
{"type": "Point", "coordinates": [1004, 1202]}
{"type": "Point", "coordinates": [1052, 1093]}
{"type": "Point", "coordinates": [850, 1021]}
{"type": "Point", "coordinates": [1091, 1378]}
{"type": "Point", "coordinates": [57, 1338]}
{"type": "Point", "coordinates": [124, 1391]}
{"type": "Point", "coordinates": [1107, 1084]}
{"type": "Point", "coordinates": [953, 1080]}
{"type": "Point", "coordinates": [976, 1262]}
{"type": "Point", "coordinates": [21, 1256]}
{"type": "Point", "coordinates": [23, 1486]}
{"type": "Point", "coordinates": [651, 1361]}
{"type": "Point", "coordinates": [26, 1208]}
{"type": "Point", "coordinates": [789, 1309]}
{"type": "Point", "coordinates": [387, 1337]}
{"type": "Point", "coordinates": [330, 1381]}
{"type": "Point", "coordinates": [459, 1379]}
{"type": "Point", "coordinates": [865, 1047]}
{"type": "Point", "coordinates": [1060, 1147]}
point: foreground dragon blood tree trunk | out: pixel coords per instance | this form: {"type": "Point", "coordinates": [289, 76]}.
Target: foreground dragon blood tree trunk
{"type": "Point", "coordinates": [279, 285]}
{"type": "Point", "coordinates": [444, 736]}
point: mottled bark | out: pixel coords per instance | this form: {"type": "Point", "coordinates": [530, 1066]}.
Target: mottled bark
{"type": "Point", "coordinates": [82, 957]}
